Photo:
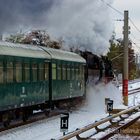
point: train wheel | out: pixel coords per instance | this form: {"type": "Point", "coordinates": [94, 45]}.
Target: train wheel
{"type": "Point", "coordinates": [0, 118]}
{"type": "Point", "coordinates": [47, 112]}
{"type": "Point", "coordinates": [25, 115]}
{"type": "Point", "coordinates": [6, 119]}
{"type": "Point", "coordinates": [6, 123]}
{"type": "Point", "coordinates": [17, 114]}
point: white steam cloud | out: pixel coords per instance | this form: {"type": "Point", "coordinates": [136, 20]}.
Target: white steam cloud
{"type": "Point", "coordinates": [96, 98]}
{"type": "Point", "coordinates": [84, 24]}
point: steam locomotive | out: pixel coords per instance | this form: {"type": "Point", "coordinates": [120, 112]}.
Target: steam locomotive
{"type": "Point", "coordinates": [99, 69]}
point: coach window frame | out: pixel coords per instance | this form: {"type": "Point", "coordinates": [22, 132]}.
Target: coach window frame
{"type": "Point", "coordinates": [20, 71]}
{"type": "Point", "coordinates": [46, 71]}
{"type": "Point", "coordinates": [76, 72]}
{"type": "Point", "coordinates": [54, 71]}
{"type": "Point", "coordinates": [27, 71]}
{"type": "Point", "coordinates": [68, 71]}
{"type": "Point", "coordinates": [34, 68]}
{"type": "Point", "coordinates": [63, 71]}
{"type": "Point", "coordinates": [41, 71]}
{"type": "Point", "coordinates": [9, 71]}
{"type": "Point", "coordinates": [1, 72]}
{"type": "Point", "coordinates": [59, 71]}
{"type": "Point", "coordinates": [72, 71]}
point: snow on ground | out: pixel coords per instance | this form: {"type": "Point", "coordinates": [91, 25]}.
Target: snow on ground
{"type": "Point", "coordinates": [133, 99]}
{"type": "Point", "coordinates": [93, 110]}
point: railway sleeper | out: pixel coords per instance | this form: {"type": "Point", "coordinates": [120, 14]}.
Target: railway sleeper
{"type": "Point", "coordinates": [80, 138]}
{"type": "Point", "coordinates": [113, 122]}
{"type": "Point", "coordinates": [130, 113]}
{"type": "Point", "coordinates": [137, 110]}
{"type": "Point", "coordinates": [98, 129]}
{"type": "Point", "coordinates": [124, 117]}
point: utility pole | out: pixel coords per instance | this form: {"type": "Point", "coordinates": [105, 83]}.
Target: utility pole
{"type": "Point", "coordinates": [125, 59]}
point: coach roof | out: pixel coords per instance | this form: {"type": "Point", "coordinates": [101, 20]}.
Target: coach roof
{"type": "Point", "coordinates": [64, 55]}
{"type": "Point", "coordinates": [25, 50]}
{"type": "Point", "coordinates": [22, 50]}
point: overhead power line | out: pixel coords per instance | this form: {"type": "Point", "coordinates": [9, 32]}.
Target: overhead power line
{"type": "Point", "coordinates": [109, 5]}
{"type": "Point", "coordinates": [132, 35]}
{"type": "Point", "coordinates": [116, 56]}
{"type": "Point", "coordinates": [134, 25]}
{"type": "Point", "coordinates": [121, 13]}
{"type": "Point", "coordinates": [138, 47]}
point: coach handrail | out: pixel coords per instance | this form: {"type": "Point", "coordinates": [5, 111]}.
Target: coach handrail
{"type": "Point", "coordinates": [86, 128]}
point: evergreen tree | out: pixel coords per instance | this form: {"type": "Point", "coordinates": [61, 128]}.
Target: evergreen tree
{"type": "Point", "coordinates": [116, 55]}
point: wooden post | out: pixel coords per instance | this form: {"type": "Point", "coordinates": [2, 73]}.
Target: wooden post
{"type": "Point", "coordinates": [125, 59]}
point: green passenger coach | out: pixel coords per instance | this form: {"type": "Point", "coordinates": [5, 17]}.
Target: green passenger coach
{"type": "Point", "coordinates": [34, 76]}
{"type": "Point", "coordinates": [24, 76]}
{"type": "Point", "coordinates": [68, 74]}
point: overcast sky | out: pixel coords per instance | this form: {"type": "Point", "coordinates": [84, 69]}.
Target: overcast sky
{"type": "Point", "coordinates": [71, 19]}
{"type": "Point", "coordinates": [133, 6]}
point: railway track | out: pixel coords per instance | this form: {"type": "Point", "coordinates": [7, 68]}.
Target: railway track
{"type": "Point", "coordinates": [36, 117]}
{"type": "Point", "coordinates": [120, 128]}
{"type": "Point", "coordinates": [95, 125]}
{"type": "Point", "coordinates": [133, 91]}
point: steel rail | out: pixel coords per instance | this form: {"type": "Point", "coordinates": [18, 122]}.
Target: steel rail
{"type": "Point", "coordinates": [36, 117]}
{"type": "Point", "coordinates": [117, 130]}
{"type": "Point", "coordinates": [134, 91]}
{"type": "Point", "coordinates": [91, 126]}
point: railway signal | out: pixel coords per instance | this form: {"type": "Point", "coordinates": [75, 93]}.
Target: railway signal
{"type": "Point", "coordinates": [64, 122]}
{"type": "Point", "coordinates": [109, 106]}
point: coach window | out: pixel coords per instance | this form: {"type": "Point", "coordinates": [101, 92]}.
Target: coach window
{"type": "Point", "coordinates": [68, 72]}
{"type": "Point", "coordinates": [18, 72]}
{"type": "Point", "coordinates": [1, 72]}
{"type": "Point", "coordinates": [64, 72]}
{"type": "Point", "coordinates": [9, 72]}
{"type": "Point", "coordinates": [46, 71]}
{"type": "Point", "coordinates": [34, 72]}
{"type": "Point", "coordinates": [72, 72]}
{"type": "Point", "coordinates": [59, 72]}
{"type": "Point", "coordinates": [54, 71]}
{"type": "Point", "coordinates": [41, 72]}
{"type": "Point", "coordinates": [81, 72]}
{"type": "Point", "coordinates": [27, 72]}
{"type": "Point", "coordinates": [76, 73]}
